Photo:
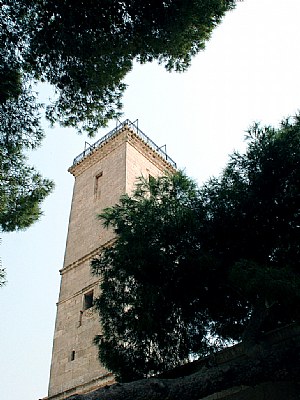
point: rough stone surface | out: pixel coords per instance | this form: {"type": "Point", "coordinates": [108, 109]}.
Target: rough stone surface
{"type": "Point", "coordinates": [228, 375]}
{"type": "Point", "coordinates": [100, 179]}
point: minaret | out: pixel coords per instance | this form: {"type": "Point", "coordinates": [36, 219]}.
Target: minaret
{"type": "Point", "coordinates": [103, 172]}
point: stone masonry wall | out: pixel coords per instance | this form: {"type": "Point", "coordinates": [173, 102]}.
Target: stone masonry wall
{"type": "Point", "coordinates": [100, 179]}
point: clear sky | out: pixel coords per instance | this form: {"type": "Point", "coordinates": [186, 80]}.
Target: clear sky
{"type": "Point", "coordinates": [248, 72]}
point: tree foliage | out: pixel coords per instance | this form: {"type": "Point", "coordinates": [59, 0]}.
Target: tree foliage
{"type": "Point", "coordinates": [255, 220]}
{"type": "Point", "coordinates": [192, 267]}
{"type": "Point", "coordinates": [2, 277]}
{"type": "Point", "coordinates": [22, 189]}
{"type": "Point", "coordinates": [142, 285]}
{"type": "Point", "coordinates": [85, 49]}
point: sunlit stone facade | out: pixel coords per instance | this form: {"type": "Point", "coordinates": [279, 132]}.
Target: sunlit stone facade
{"type": "Point", "coordinates": [102, 174]}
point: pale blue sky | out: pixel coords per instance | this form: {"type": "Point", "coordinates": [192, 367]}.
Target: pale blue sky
{"type": "Point", "coordinates": [249, 72]}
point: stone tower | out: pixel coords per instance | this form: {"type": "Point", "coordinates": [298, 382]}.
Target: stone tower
{"type": "Point", "coordinates": [103, 172]}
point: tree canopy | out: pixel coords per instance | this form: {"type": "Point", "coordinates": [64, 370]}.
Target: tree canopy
{"type": "Point", "coordinates": [85, 49]}
{"type": "Point", "coordinates": [141, 285]}
{"type": "Point", "coordinates": [22, 189]}
{"type": "Point", "coordinates": [191, 268]}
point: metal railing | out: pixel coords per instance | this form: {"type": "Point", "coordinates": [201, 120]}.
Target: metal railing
{"type": "Point", "coordinates": [114, 132]}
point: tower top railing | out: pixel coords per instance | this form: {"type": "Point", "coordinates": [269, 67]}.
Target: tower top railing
{"type": "Point", "coordinates": [132, 125]}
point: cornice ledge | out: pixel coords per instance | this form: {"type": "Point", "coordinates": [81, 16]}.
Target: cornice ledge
{"type": "Point", "coordinates": [86, 257]}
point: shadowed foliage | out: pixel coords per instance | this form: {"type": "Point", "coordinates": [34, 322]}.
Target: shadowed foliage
{"type": "Point", "coordinates": [192, 268]}
{"type": "Point", "coordinates": [22, 189]}
{"type": "Point", "coordinates": [85, 49]}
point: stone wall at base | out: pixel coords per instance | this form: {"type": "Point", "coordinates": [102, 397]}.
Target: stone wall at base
{"type": "Point", "coordinates": [91, 386]}
{"type": "Point", "coordinates": [264, 391]}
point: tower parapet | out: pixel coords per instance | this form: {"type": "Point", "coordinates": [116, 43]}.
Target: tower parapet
{"type": "Point", "coordinates": [127, 125]}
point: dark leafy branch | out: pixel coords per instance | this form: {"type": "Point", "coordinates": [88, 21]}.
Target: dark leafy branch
{"type": "Point", "coordinates": [191, 267]}
{"type": "Point", "coordinates": [85, 49]}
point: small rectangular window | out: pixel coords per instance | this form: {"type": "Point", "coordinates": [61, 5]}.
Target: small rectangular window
{"type": "Point", "coordinates": [72, 356]}
{"type": "Point", "coordinates": [88, 300]}
{"type": "Point", "coordinates": [97, 185]}
{"type": "Point", "coordinates": [80, 318]}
